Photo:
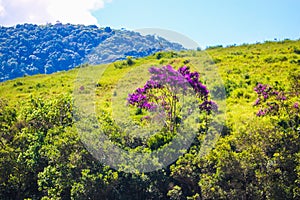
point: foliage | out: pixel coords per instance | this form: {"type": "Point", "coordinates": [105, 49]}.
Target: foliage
{"type": "Point", "coordinates": [279, 104]}
{"type": "Point", "coordinates": [28, 49]}
{"type": "Point", "coordinates": [166, 88]}
{"type": "Point", "coordinates": [256, 157]}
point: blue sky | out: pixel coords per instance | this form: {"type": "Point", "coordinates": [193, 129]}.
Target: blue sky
{"type": "Point", "coordinates": [208, 23]}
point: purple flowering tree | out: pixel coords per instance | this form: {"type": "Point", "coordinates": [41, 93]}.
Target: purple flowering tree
{"type": "Point", "coordinates": [277, 103]}
{"type": "Point", "coordinates": [268, 99]}
{"type": "Point", "coordinates": [166, 91]}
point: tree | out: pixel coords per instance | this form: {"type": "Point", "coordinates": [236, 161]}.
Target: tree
{"type": "Point", "coordinates": [166, 92]}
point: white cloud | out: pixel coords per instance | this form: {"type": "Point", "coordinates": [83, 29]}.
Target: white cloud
{"type": "Point", "coordinates": [42, 11]}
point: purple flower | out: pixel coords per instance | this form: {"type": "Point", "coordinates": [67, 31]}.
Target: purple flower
{"type": "Point", "coordinates": [257, 102]}
{"type": "Point", "coordinates": [209, 106]}
{"type": "Point", "coordinates": [261, 89]}
{"type": "Point", "coordinates": [140, 90]}
{"type": "Point", "coordinates": [183, 70]}
{"type": "Point", "coordinates": [296, 105]}
{"type": "Point", "coordinates": [260, 113]}
{"type": "Point", "coordinates": [176, 83]}
{"type": "Point", "coordinates": [137, 99]}
{"type": "Point", "coordinates": [281, 96]}
{"type": "Point", "coordinates": [151, 84]}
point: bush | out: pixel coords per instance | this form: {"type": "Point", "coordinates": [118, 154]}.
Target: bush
{"type": "Point", "coordinates": [129, 60]}
{"type": "Point", "coordinates": [215, 47]}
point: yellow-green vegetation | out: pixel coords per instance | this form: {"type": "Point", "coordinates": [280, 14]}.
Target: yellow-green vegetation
{"type": "Point", "coordinates": [41, 155]}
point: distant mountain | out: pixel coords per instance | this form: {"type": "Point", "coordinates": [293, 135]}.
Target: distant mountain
{"type": "Point", "coordinates": [30, 49]}
{"type": "Point", "coordinates": [128, 43]}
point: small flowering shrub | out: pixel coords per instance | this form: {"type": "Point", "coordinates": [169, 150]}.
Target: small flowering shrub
{"type": "Point", "coordinates": [167, 90]}
{"type": "Point", "coordinates": [281, 104]}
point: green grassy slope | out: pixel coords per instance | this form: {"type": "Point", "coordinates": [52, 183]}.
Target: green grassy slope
{"type": "Point", "coordinates": [241, 68]}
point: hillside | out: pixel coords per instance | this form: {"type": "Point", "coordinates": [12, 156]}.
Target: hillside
{"type": "Point", "coordinates": [253, 156]}
{"type": "Point", "coordinates": [29, 49]}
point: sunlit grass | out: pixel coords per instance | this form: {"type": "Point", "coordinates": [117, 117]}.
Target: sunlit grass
{"type": "Point", "coordinates": [239, 68]}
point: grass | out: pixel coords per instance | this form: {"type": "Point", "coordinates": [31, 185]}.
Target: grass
{"type": "Point", "coordinates": [238, 68]}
